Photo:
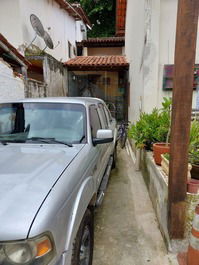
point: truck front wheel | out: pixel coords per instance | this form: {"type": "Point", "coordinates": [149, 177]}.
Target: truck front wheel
{"type": "Point", "coordinates": [83, 244]}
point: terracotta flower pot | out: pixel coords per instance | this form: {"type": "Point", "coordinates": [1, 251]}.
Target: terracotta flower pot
{"type": "Point", "coordinates": [195, 171]}
{"type": "Point", "coordinates": [158, 150]}
{"type": "Point", "coordinates": [193, 186]}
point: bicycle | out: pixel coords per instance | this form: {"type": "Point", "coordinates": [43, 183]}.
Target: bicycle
{"type": "Point", "coordinates": [111, 107]}
{"type": "Point", "coordinates": [122, 133]}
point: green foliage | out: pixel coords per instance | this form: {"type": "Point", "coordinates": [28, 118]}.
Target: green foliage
{"type": "Point", "coordinates": [153, 127]}
{"type": "Point", "coordinates": [166, 104]}
{"type": "Point", "coordinates": [102, 16]}
{"type": "Point", "coordinates": [167, 156]}
{"type": "Point", "coordinates": [194, 143]}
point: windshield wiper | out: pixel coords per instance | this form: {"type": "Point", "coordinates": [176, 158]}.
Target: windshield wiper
{"type": "Point", "coordinates": [83, 137]}
{"type": "Point", "coordinates": [48, 141]}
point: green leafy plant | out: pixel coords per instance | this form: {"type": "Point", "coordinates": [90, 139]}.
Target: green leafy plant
{"type": "Point", "coordinates": [194, 143]}
{"type": "Point", "coordinates": [102, 16]}
{"type": "Point", "coordinates": [152, 127]}
{"type": "Point", "coordinates": [167, 156]}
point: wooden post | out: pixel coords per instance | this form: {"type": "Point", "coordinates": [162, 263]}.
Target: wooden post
{"type": "Point", "coordinates": [185, 50]}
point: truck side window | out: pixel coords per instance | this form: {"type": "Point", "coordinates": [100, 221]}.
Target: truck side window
{"type": "Point", "coordinates": [94, 120]}
{"type": "Point", "coordinates": [103, 115]}
{"type": "Point", "coordinates": [108, 114]}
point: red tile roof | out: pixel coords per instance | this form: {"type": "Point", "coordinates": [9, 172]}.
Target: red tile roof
{"type": "Point", "coordinates": [120, 17]}
{"type": "Point", "coordinates": [13, 50]}
{"type": "Point", "coordinates": [97, 62]}
{"type": "Point", "coordinates": [104, 42]}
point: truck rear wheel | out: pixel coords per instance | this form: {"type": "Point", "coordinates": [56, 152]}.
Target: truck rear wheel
{"type": "Point", "coordinates": [83, 244]}
{"type": "Point", "coordinates": [114, 157]}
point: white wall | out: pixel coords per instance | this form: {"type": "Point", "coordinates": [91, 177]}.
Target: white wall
{"type": "Point", "coordinates": [11, 87]}
{"type": "Point", "coordinates": [62, 26]}
{"type": "Point", "coordinates": [80, 35]}
{"type": "Point", "coordinates": [133, 50]}
{"type": "Point", "coordinates": [167, 43]}
{"type": "Point", "coordinates": [154, 20]}
{"type": "Point", "coordinates": [10, 21]}
{"type": "Point", "coordinates": [151, 54]}
{"type": "Point", "coordinates": [142, 51]}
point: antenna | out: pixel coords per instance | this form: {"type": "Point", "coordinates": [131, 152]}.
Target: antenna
{"type": "Point", "coordinates": [37, 25]}
{"type": "Point", "coordinates": [48, 40]}
{"type": "Point", "coordinates": [39, 30]}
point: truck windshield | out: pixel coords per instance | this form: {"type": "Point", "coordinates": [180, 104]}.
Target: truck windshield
{"type": "Point", "coordinates": [23, 122]}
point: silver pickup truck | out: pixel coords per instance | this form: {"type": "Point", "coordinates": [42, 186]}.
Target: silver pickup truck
{"type": "Point", "coordinates": [56, 156]}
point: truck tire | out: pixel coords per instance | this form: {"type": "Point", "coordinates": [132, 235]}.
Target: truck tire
{"type": "Point", "coordinates": [114, 157]}
{"type": "Point", "coordinates": [83, 243]}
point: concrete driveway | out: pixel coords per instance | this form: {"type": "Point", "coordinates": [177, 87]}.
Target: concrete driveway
{"type": "Point", "coordinates": [126, 230]}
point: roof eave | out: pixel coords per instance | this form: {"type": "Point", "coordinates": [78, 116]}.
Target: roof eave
{"type": "Point", "coordinates": [97, 68]}
{"type": "Point", "coordinates": [13, 51]}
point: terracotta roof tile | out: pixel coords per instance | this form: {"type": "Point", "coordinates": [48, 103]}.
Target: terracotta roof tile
{"type": "Point", "coordinates": [97, 62]}
{"type": "Point", "coordinates": [105, 42]}
{"type": "Point", "coordinates": [120, 17]}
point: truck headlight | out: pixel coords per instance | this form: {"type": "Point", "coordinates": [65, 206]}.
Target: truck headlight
{"type": "Point", "coordinates": [39, 250]}
{"type": "Point", "coordinates": [20, 253]}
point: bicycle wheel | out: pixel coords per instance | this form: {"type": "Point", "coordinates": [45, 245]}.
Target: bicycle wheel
{"type": "Point", "coordinates": [123, 139]}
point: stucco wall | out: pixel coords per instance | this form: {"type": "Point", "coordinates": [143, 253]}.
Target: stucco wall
{"type": "Point", "coordinates": [150, 44]}
{"type": "Point", "coordinates": [142, 50]}
{"type": "Point", "coordinates": [18, 30]}
{"type": "Point", "coordinates": [10, 21]}
{"type": "Point", "coordinates": [105, 51]}
{"type": "Point", "coordinates": [36, 89]}
{"type": "Point", "coordinates": [167, 43]}
{"type": "Point", "coordinates": [158, 191]}
{"type": "Point", "coordinates": [11, 87]}
{"type": "Point", "coordinates": [55, 76]}
{"type": "Point", "coordinates": [80, 35]}
{"type": "Point", "coordinates": [134, 50]}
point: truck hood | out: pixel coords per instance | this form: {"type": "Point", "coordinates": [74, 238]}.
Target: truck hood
{"type": "Point", "coordinates": [27, 174]}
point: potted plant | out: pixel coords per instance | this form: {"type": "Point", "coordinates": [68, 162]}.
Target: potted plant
{"type": "Point", "coordinates": [137, 133]}
{"type": "Point", "coordinates": [163, 132]}
{"type": "Point", "coordinates": [143, 132]}
{"type": "Point", "coordinates": [153, 128]}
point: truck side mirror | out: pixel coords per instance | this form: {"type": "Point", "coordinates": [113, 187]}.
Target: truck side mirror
{"type": "Point", "coordinates": [103, 136]}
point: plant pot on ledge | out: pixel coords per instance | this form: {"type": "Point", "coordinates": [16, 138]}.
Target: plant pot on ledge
{"type": "Point", "coordinates": [165, 167]}
{"type": "Point", "coordinates": [193, 186]}
{"type": "Point", "coordinates": [195, 171]}
{"type": "Point", "coordinates": [158, 150]}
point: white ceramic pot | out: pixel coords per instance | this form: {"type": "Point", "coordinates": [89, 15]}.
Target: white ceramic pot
{"type": "Point", "coordinates": [165, 167]}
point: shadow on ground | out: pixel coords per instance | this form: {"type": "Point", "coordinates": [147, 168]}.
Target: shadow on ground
{"type": "Point", "coordinates": [126, 230]}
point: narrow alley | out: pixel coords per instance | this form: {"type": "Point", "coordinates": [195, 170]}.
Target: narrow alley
{"type": "Point", "coordinates": [126, 230]}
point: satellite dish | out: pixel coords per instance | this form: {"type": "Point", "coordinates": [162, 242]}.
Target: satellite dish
{"type": "Point", "coordinates": [37, 25]}
{"type": "Point", "coordinates": [48, 40]}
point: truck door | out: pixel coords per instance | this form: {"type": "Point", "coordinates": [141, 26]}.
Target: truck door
{"type": "Point", "coordinates": [107, 148]}
{"type": "Point", "coordinates": [98, 150]}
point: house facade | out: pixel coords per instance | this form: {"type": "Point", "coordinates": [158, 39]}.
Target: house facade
{"type": "Point", "coordinates": [13, 71]}
{"type": "Point", "coordinates": [150, 52]}
{"type": "Point", "coordinates": [63, 23]}
{"type": "Point", "coordinates": [102, 46]}
{"type": "Point", "coordinates": [101, 70]}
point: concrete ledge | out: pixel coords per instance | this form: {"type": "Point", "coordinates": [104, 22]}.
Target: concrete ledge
{"type": "Point", "coordinates": [157, 183]}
